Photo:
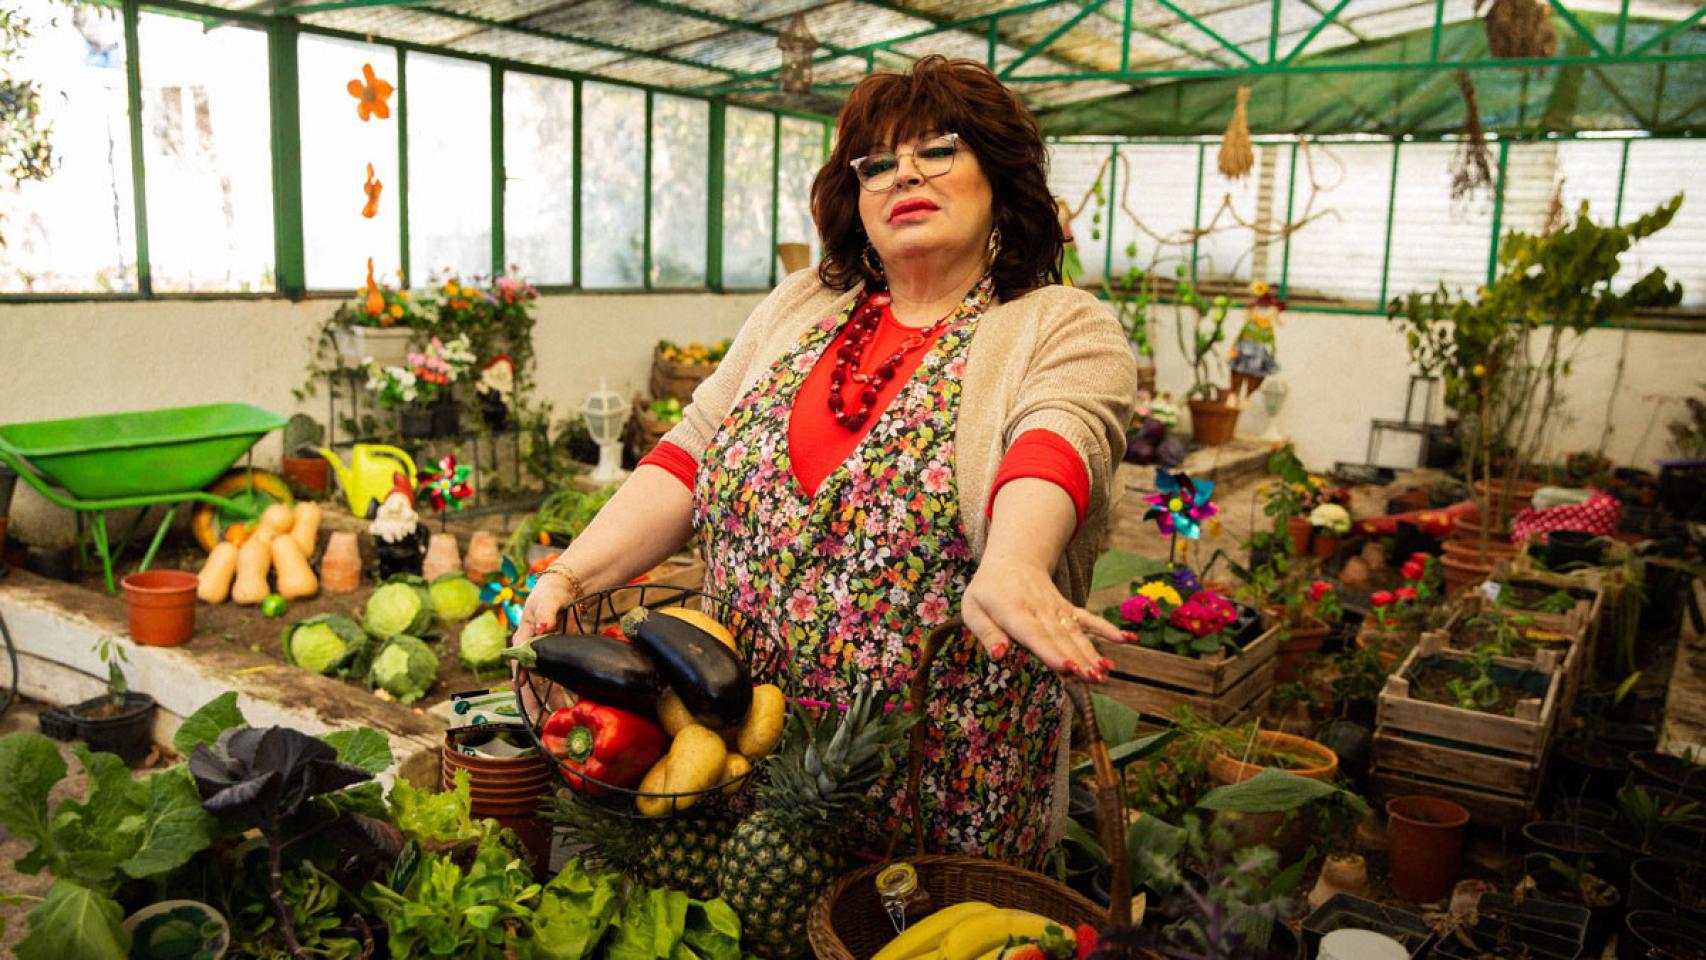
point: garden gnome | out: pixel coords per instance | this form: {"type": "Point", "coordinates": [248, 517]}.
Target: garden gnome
{"type": "Point", "coordinates": [397, 532]}
{"type": "Point", "coordinates": [1253, 356]}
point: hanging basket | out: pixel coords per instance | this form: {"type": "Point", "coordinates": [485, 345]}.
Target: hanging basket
{"type": "Point", "coordinates": [848, 921]}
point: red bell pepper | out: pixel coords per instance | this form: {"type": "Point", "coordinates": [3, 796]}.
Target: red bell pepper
{"type": "Point", "coordinates": [605, 744]}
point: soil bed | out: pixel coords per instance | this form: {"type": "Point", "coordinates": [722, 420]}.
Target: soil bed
{"type": "Point", "coordinates": [1432, 683]}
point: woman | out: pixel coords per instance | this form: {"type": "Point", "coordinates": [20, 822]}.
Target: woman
{"type": "Point", "coordinates": [925, 426]}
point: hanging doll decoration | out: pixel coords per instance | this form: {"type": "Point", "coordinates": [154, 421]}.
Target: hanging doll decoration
{"type": "Point", "coordinates": [398, 534]}
{"type": "Point", "coordinates": [1254, 355]}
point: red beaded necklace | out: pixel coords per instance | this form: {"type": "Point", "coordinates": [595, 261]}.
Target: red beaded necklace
{"type": "Point", "coordinates": [860, 329]}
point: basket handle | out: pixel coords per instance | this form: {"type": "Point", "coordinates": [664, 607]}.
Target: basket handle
{"type": "Point", "coordinates": [1108, 811]}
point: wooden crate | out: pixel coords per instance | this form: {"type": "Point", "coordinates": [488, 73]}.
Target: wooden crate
{"type": "Point", "coordinates": [1218, 687]}
{"type": "Point", "coordinates": [1574, 654]}
{"type": "Point", "coordinates": [1495, 763]}
{"type": "Point", "coordinates": [677, 380]}
{"type": "Point", "coordinates": [1585, 615]}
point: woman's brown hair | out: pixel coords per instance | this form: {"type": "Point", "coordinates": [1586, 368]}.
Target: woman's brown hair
{"type": "Point", "coordinates": [939, 95]}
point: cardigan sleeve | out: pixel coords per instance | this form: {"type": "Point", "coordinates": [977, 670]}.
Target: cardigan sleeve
{"type": "Point", "coordinates": [1080, 384]}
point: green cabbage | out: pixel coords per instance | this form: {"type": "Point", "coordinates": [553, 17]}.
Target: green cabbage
{"type": "Point", "coordinates": [483, 641]}
{"type": "Point", "coordinates": [405, 668]}
{"type": "Point", "coordinates": [330, 644]}
{"type": "Point", "coordinates": [400, 605]}
{"type": "Point", "coordinates": [455, 598]}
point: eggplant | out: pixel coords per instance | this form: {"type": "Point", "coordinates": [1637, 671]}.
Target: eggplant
{"type": "Point", "coordinates": [711, 679]}
{"type": "Point", "coordinates": [598, 668]}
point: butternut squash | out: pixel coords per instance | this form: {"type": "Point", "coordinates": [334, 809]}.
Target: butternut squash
{"type": "Point", "coordinates": [306, 530]}
{"type": "Point", "coordinates": [278, 518]}
{"type": "Point", "coordinates": [214, 581]}
{"type": "Point", "coordinates": [253, 559]}
{"type": "Point", "coordinates": [295, 579]}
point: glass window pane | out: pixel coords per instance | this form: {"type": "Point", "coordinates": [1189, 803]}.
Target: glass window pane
{"type": "Point", "coordinates": [1233, 251]}
{"type": "Point", "coordinates": [1157, 184]}
{"type": "Point", "coordinates": [1436, 239]}
{"type": "Point", "coordinates": [208, 155]}
{"type": "Point", "coordinates": [1073, 170]}
{"type": "Point", "coordinates": [1338, 253]}
{"type": "Point", "coordinates": [613, 131]}
{"type": "Point", "coordinates": [450, 167]}
{"type": "Point", "coordinates": [1653, 178]}
{"type": "Point", "coordinates": [337, 146]}
{"type": "Point", "coordinates": [747, 154]}
{"type": "Point", "coordinates": [73, 231]}
{"type": "Point", "coordinates": [802, 157]}
{"type": "Point", "coordinates": [539, 172]}
{"type": "Point", "coordinates": [681, 140]}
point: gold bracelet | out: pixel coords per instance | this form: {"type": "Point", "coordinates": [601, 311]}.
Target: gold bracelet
{"type": "Point", "coordinates": [577, 589]}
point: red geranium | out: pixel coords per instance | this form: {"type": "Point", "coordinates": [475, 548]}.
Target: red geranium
{"type": "Point", "coordinates": [1412, 570]}
{"type": "Point", "coordinates": [1405, 593]}
{"type": "Point", "coordinates": [1319, 589]}
{"type": "Point", "coordinates": [1381, 598]}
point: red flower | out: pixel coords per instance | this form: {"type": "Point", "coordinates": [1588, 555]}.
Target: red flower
{"type": "Point", "coordinates": [1413, 570]}
{"type": "Point", "coordinates": [1405, 593]}
{"type": "Point", "coordinates": [1420, 557]}
{"type": "Point", "coordinates": [1319, 589]}
{"type": "Point", "coordinates": [1381, 598]}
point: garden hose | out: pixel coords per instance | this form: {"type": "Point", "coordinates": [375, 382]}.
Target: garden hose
{"type": "Point", "coordinates": [10, 693]}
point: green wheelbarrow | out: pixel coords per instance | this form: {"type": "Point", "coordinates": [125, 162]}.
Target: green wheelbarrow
{"type": "Point", "coordinates": [145, 459]}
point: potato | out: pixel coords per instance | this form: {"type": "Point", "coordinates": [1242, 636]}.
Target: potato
{"type": "Point", "coordinates": [759, 733]}
{"type": "Point", "coordinates": [695, 763]}
{"type": "Point", "coordinates": [673, 714]}
{"type": "Point", "coordinates": [653, 782]}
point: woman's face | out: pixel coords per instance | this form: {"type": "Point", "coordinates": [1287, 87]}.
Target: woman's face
{"type": "Point", "coordinates": [945, 214]}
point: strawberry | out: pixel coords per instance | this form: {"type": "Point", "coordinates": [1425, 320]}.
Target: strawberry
{"type": "Point", "coordinates": [1024, 951]}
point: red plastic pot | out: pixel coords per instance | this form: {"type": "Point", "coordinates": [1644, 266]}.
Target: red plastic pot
{"type": "Point", "coordinates": [1425, 836]}
{"type": "Point", "coordinates": [161, 605]}
{"type": "Point", "coordinates": [1299, 530]}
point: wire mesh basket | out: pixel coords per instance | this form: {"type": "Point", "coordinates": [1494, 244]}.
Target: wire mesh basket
{"type": "Point", "coordinates": [601, 612]}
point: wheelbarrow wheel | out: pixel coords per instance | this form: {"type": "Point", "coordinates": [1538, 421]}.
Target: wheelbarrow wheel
{"type": "Point", "coordinates": [265, 489]}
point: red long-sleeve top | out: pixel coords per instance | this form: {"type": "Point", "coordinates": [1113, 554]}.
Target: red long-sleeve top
{"type": "Point", "coordinates": [817, 444]}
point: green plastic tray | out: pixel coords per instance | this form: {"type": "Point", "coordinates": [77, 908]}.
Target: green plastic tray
{"type": "Point", "coordinates": [147, 453]}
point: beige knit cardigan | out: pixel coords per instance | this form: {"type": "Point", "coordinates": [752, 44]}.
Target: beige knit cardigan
{"type": "Point", "coordinates": [1054, 359]}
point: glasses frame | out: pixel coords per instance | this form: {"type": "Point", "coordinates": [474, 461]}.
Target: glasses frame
{"type": "Point", "coordinates": [952, 138]}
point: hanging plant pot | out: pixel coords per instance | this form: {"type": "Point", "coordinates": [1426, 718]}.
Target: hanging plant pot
{"type": "Point", "coordinates": [1426, 839]}
{"type": "Point", "coordinates": [161, 606]}
{"type": "Point", "coordinates": [414, 421]}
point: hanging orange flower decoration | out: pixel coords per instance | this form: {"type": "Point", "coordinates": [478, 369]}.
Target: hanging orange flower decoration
{"type": "Point", "coordinates": [375, 304]}
{"type": "Point", "coordinates": [372, 186]}
{"type": "Point", "coordinates": [371, 95]}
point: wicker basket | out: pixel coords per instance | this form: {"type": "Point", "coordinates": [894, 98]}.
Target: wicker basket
{"type": "Point", "coordinates": [677, 380]}
{"type": "Point", "coordinates": [848, 921]}
{"type": "Point", "coordinates": [645, 429]}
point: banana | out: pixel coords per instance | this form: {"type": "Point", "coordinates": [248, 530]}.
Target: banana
{"type": "Point", "coordinates": [979, 934]}
{"type": "Point", "coordinates": [925, 935]}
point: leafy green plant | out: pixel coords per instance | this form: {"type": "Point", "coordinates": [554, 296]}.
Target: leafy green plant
{"type": "Point", "coordinates": [562, 517]}
{"type": "Point", "coordinates": [1477, 691]}
{"type": "Point", "coordinates": [1644, 816]}
{"type": "Point", "coordinates": [111, 652]}
{"type": "Point", "coordinates": [482, 910]}
{"type": "Point", "coordinates": [1558, 602]}
{"type": "Point", "coordinates": [1206, 319]}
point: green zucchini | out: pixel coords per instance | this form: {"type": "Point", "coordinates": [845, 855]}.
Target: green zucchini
{"type": "Point", "coordinates": [598, 668]}
{"type": "Point", "coordinates": [711, 679]}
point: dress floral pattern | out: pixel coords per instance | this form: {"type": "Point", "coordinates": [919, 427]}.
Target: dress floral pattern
{"type": "Point", "coordinates": [851, 579]}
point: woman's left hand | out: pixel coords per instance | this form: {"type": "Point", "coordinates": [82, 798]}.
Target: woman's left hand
{"type": "Point", "coordinates": [1018, 603]}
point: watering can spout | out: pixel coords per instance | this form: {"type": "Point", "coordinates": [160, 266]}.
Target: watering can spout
{"type": "Point", "coordinates": [337, 467]}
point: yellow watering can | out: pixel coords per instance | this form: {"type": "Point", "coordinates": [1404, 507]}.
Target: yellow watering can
{"type": "Point", "coordinates": [368, 478]}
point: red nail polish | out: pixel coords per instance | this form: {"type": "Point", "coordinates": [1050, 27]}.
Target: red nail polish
{"type": "Point", "coordinates": [998, 651]}
{"type": "Point", "coordinates": [1128, 636]}
{"type": "Point", "coordinates": [1071, 667]}
{"type": "Point", "coordinates": [1106, 664]}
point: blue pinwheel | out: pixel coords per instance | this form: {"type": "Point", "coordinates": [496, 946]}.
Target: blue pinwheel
{"type": "Point", "coordinates": [1180, 505]}
{"type": "Point", "coordinates": [508, 591]}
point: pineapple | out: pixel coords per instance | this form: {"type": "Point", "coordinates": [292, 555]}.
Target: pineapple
{"type": "Point", "coordinates": [677, 853]}
{"type": "Point", "coordinates": [779, 859]}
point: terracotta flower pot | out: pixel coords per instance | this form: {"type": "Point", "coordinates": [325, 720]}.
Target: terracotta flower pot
{"type": "Point", "coordinates": [483, 558]}
{"type": "Point", "coordinates": [340, 565]}
{"type": "Point", "coordinates": [1425, 836]}
{"type": "Point", "coordinates": [1213, 422]}
{"type": "Point", "coordinates": [443, 556]}
{"type": "Point", "coordinates": [1294, 653]}
{"type": "Point", "coordinates": [1324, 544]}
{"type": "Point", "coordinates": [312, 475]}
{"type": "Point", "coordinates": [1300, 531]}
{"type": "Point", "coordinates": [161, 605]}
{"type": "Point", "coordinates": [1461, 572]}
{"type": "Point", "coordinates": [1226, 769]}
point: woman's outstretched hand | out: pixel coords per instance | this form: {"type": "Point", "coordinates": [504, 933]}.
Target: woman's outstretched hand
{"type": "Point", "coordinates": [551, 595]}
{"type": "Point", "coordinates": [1017, 603]}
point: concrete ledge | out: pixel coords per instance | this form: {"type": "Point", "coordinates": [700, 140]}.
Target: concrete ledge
{"type": "Point", "coordinates": [55, 627]}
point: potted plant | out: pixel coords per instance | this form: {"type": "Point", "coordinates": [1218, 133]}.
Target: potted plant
{"type": "Point", "coordinates": [377, 326]}
{"type": "Point", "coordinates": [1400, 616]}
{"type": "Point", "coordinates": [1504, 353]}
{"type": "Point", "coordinates": [1149, 440]}
{"type": "Point", "coordinates": [1200, 325]}
{"type": "Point", "coordinates": [1548, 877]}
{"type": "Point", "coordinates": [438, 368]}
{"type": "Point", "coordinates": [308, 473]}
{"type": "Point", "coordinates": [1682, 479]}
{"type": "Point", "coordinates": [120, 722]}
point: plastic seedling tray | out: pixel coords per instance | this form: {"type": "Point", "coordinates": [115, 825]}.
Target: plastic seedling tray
{"type": "Point", "coordinates": [1345, 912]}
{"type": "Point", "coordinates": [1549, 931]}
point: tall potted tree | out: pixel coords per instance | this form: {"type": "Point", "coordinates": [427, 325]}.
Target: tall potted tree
{"type": "Point", "coordinates": [1505, 352]}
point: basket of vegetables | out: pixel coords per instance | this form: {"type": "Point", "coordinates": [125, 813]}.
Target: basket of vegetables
{"type": "Point", "coordinates": [652, 711]}
{"type": "Point", "coordinates": [678, 369]}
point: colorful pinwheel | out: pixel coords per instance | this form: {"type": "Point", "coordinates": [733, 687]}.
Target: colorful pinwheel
{"type": "Point", "coordinates": [1180, 504]}
{"type": "Point", "coordinates": [508, 591]}
{"type": "Point", "coordinates": [446, 488]}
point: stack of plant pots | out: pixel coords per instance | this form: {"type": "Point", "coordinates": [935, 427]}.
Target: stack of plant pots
{"type": "Point", "coordinates": [509, 790]}
{"type": "Point", "coordinates": [1464, 562]}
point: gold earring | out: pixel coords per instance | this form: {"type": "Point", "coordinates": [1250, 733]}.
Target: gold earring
{"type": "Point", "coordinates": [994, 244]}
{"type": "Point", "coordinates": [872, 262]}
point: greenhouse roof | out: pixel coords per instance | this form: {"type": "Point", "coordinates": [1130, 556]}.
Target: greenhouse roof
{"type": "Point", "coordinates": [1055, 52]}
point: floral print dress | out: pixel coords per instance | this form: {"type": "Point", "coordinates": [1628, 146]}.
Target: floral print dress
{"type": "Point", "coordinates": [850, 580]}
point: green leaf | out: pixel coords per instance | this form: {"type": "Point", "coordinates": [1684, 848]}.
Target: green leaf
{"type": "Point", "coordinates": [1084, 840]}
{"type": "Point", "coordinates": [174, 826]}
{"type": "Point", "coordinates": [208, 722]}
{"type": "Point", "coordinates": [1116, 722]}
{"type": "Point", "coordinates": [362, 747]}
{"type": "Point", "coordinates": [1271, 791]}
{"type": "Point", "coordinates": [1117, 568]}
{"type": "Point", "coordinates": [92, 837]}
{"type": "Point", "coordinates": [30, 765]}
{"type": "Point", "coordinates": [75, 921]}
{"type": "Point", "coordinates": [1131, 751]}
{"type": "Point", "coordinates": [1152, 843]}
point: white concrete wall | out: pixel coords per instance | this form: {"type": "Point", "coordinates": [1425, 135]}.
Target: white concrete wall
{"type": "Point", "coordinates": [71, 359]}
{"type": "Point", "coordinates": [76, 359]}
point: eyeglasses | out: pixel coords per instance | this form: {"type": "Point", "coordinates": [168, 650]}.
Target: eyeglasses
{"type": "Point", "coordinates": [878, 171]}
